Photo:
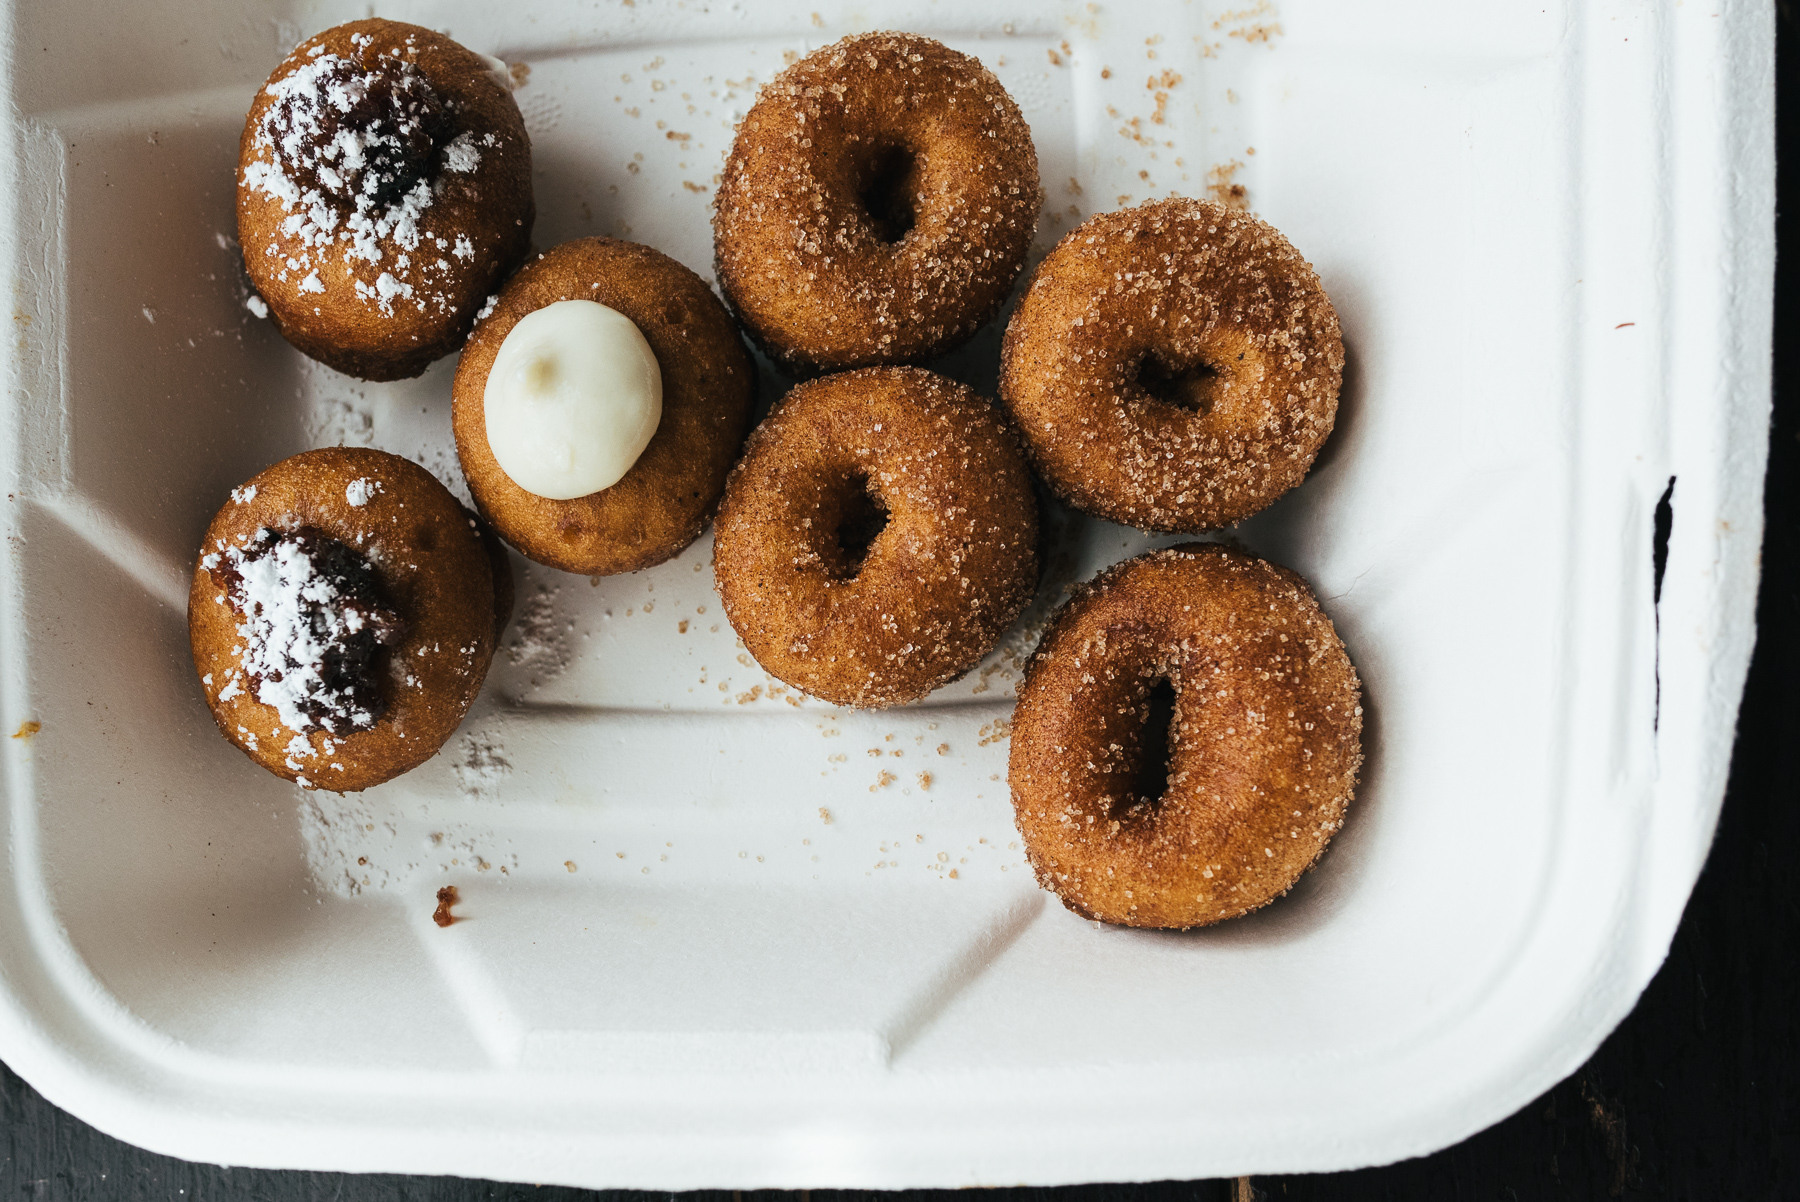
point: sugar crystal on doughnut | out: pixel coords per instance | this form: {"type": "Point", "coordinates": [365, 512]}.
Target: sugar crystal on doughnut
{"type": "Point", "coordinates": [878, 537]}
{"type": "Point", "coordinates": [1262, 739]}
{"type": "Point", "coordinates": [1174, 366]}
{"type": "Point", "coordinates": [877, 204]}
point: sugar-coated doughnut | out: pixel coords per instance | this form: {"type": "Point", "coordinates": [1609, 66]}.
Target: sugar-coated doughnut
{"type": "Point", "coordinates": [708, 393]}
{"type": "Point", "coordinates": [879, 536]}
{"type": "Point", "coordinates": [1173, 367]}
{"type": "Point", "coordinates": [876, 206]}
{"type": "Point", "coordinates": [384, 192]}
{"type": "Point", "coordinates": [342, 616]}
{"type": "Point", "coordinates": [1264, 739]}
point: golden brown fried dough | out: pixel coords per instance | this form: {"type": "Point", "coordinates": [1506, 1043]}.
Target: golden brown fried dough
{"type": "Point", "coordinates": [438, 593]}
{"type": "Point", "coordinates": [876, 206]}
{"type": "Point", "coordinates": [879, 536]}
{"type": "Point", "coordinates": [1173, 366]}
{"type": "Point", "coordinates": [384, 192]}
{"type": "Point", "coordinates": [709, 391]}
{"type": "Point", "coordinates": [1262, 748]}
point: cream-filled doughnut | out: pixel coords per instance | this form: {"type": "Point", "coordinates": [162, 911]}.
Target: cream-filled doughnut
{"type": "Point", "coordinates": [572, 400]}
{"type": "Point", "coordinates": [708, 380]}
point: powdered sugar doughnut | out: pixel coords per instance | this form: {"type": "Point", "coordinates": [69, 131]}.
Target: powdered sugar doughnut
{"type": "Point", "coordinates": [343, 613]}
{"type": "Point", "coordinates": [1173, 366]}
{"type": "Point", "coordinates": [1263, 715]}
{"type": "Point", "coordinates": [384, 192]}
{"type": "Point", "coordinates": [878, 537]}
{"type": "Point", "coordinates": [877, 204]}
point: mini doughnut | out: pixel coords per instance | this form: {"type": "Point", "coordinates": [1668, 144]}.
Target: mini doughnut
{"type": "Point", "coordinates": [876, 206]}
{"type": "Point", "coordinates": [1173, 366]}
{"type": "Point", "coordinates": [342, 615]}
{"type": "Point", "coordinates": [384, 191]}
{"type": "Point", "coordinates": [708, 392]}
{"type": "Point", "coordinates": [1264, 722]}
{"type": "Point", "coordinates": [879, 536]}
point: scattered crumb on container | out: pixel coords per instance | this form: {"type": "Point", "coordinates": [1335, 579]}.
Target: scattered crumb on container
{"type": "Point", "coordinates": [446, 897]}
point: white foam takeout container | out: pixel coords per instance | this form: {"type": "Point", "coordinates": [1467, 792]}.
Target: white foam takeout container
{"type": "Point", "coordinates": [1548, 231]}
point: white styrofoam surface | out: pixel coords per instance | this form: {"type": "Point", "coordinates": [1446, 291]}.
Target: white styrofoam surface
{"type": "Point", "coordinates": [1548, 232]}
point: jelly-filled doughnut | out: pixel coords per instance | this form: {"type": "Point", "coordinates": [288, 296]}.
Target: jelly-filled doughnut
{"type": "Point", "coordinates": [878, 537]}
{"type": "Point", "coordinates": [1173, 366]}
{"type": "Point", "coordinates": [876, 206]}
{"type": "Point", "coordinates": [342, 615]}
{"type": "Point", "coordinates": [1232, 657]}
{"type": "Point", "coordinates": [608, 357]}
{"type": "Point", "coordinates": [384, 192]}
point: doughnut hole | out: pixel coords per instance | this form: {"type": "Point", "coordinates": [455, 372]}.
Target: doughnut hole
{"type": "Point", "coordinates": [1152, 750]}
{"type": "Point", "coordinates": [887, 185]}
{"type": "Point", "coordinates": [1193, 386]}
{"type": "Point", "coordinates": [861, 519]}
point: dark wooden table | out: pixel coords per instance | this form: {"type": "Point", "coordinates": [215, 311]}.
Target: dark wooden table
{"type": "Point", "coordinates": [1693, 1097]}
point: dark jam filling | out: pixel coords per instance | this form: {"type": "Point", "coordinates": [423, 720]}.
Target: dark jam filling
{"type": "Point", "coordinates": [316, 626]}
{"type": "Point", "coordinates": [367, 133]}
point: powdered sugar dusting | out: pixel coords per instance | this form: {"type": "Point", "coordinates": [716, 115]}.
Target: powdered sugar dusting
{"type": "Point", "coordinates": [540, 639]}
{"type": "Point", "coordinates": [360, 491]}
{"type": "Point", "coordinates": [309, 632]}
{"type": "Point", "coordinates": [354, 149]}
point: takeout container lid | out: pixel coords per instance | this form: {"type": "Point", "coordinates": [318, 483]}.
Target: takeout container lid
{"type": "Point", "coordinates": [1549, 237]}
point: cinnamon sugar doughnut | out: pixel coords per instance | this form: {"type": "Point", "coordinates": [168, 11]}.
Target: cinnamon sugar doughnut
{"type": "Point", "coordinates": [878, 537]}
{"type": "Point", "coordinates": [1264, 739]}
{"type": "Point", "coordinates": [876, 206]}
{"type": "Point", "coordinates": [1173, 366]}
{"type": "Point", "coordinates": [384, 192]}
{"type": "Point", "coordinates": [342, 615]}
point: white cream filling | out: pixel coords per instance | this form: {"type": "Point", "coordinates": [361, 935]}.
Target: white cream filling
{"type": "Point", "coordinates": [572, 400]}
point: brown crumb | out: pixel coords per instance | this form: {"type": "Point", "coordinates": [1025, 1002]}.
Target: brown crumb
{"type": "Point", "coordinates": [1106, 73]}
{"type": "Point", "coordinates": [1220, 186]}
{"type": "Point", "coordinates": [925, 782]}
{"type": "Point", "coordinates": [825, 815]}
{"type": "Point", "coordinates": [446, 897]}
{"type": "Point", "coordinates": [27, 729]}
{"type": "Point", "coordinates": [569, 864]}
